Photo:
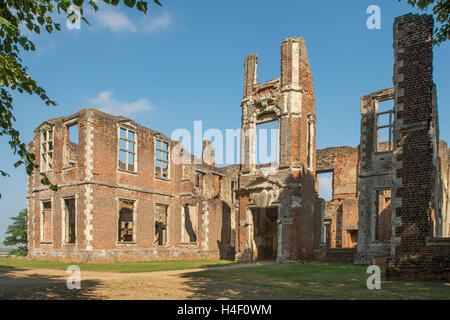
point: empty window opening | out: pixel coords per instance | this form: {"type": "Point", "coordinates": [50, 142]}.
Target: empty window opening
{"type": "Point", "coordinates": [350, 239]}
{"type": "Point", "coordinates": [71, 145]}
{"type": "Point", "coordinates": [265, 233]}
{"type": "Point", "coordinates": [326, 232]}
{"type": "Point", "coordinates": [325, 181]}
{"type": "Point", "coordinates": [46, 221]}
{"type": "Point", "coordinates": [47, 150]}
{"type": "Point", "coordinates": [384, 126]}
{"type": "Point", "coordinates": [190, 227]}
{"type": "Point", "coordinates": [383, 216]}
{"type": "Point", "coordinates": [161, 224]}
{"type": "Point", "coordinates": [267, 143]}
{"type": "Point", "coordinates": [70, 220]}
{"type": "Point", "coordinates": [198, 181]}
{"type": "Point", "coordinates": [233, 191]}
{"type": "Point", "coordinates": [162, 159]}
{"type": "Point", "coordinates": [127, 149]}
{"type": "Point", "coordinates": [73, 133]}
{"type": "Point", "coordinates": [126, 225]}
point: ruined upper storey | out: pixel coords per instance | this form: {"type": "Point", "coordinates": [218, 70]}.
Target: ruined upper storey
{"type": "Point", "coordinates": [122, 195]}
{"type": "Point", "coordinates": [91, 146]}
{"type": "Point", "coordinates": [283, 93]}
{"type": "Point", "coordinates": [288, 100]}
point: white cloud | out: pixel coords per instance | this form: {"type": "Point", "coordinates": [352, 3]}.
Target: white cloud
{"type": "Point", "coordinates": [161, 23]}
{"type": "Point", "coordinates": [105, 102]}
{"type": "Point", "coordinates": [325, 186]}
{"type": "Point", "coordinates": [118, 21]}
{"type": "Point", "coordinates": [114, 20]}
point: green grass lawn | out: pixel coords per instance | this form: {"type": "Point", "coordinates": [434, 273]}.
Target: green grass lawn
{"type": "Point", "coordinates": [313, 281]}
{"type": "Point", "coordinates": [123, 267]}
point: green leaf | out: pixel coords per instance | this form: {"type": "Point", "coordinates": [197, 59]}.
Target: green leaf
{"type": "Point", "coordinates": [49, 28]}
{"type": "Point", "coordinates": [130, 3]}
{"type": "Point", "coordinates": [84, 19]}
{"type": "Point", "coordinates": [5, 22]}
{"type": "Point", "coordinates": [115, 2]}
{"type": "Point", "coordinates": [22, 41]}
{"type": "Point", "coordinates": [158, 3]}
{"type": "Point", "coordinates": [142, 6]}
{"type": "Point", "coordinates": [64, 5]}
{"type": "Point", "coordinates": [94, 6]}
{"type": "Point", "coordinates": [78, 3]}
{"type": "Point", "coordinates": [40, 20]}
{"type": "Point", "coordinates": [18, 163]}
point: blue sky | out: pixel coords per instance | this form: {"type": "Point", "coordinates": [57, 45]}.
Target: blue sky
{"type": "Point", "coordinates": [184, 62]}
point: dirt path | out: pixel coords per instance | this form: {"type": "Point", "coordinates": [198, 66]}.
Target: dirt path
{"type": "Point", "coordinates": [51, 284]}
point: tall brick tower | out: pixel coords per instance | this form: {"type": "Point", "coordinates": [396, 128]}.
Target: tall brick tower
{"type": "Point", "coordinates": [279, 216]}
{"type": "Point", "coordinates": [415, 251]}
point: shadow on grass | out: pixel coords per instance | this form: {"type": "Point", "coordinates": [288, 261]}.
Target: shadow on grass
{"type": "Point", "coordinates": [305, 281]}
{"type": "Point", "coordinates": [16, 285]}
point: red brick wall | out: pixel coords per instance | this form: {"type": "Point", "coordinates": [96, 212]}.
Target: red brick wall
{"type": "Point", "coordinates": [416, 255]}
{"type": "Point", "coordinates": [98, 186]}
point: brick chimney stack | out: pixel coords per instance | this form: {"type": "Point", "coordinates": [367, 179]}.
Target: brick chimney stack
{"type": "Point", "coordinates": [208, 155]}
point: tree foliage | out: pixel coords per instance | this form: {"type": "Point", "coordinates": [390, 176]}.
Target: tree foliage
{"type": "Point", "coordinates": [17, 234]}
{"type": "Point", "coordinates": [441, 13]}
{"type": "Point", "coordinates": [37, 16]}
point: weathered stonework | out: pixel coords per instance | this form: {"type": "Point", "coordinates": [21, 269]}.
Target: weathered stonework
{"type": "Point", "coordinates": [340, 224]}
{"type": "Point", "coordinates": [417, 249]}
{"type": "Point", "coordinates": [99, 185]}
{"type": "Point", "coordinates": [122, 197]}
{"type": "Point", "coordinates": [279, 200]}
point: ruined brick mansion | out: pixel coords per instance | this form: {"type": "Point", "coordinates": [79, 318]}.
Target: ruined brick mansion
{"type": "Point", "coordinates": [121, 197]}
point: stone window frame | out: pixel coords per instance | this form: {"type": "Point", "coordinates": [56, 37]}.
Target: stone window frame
{"type": "Point", "coordinates": [250, 226]}
{"type": "Point", "coordinates": [219, 183]}
{"type": "Point", "coordinates": [374, 215]}
{"type": "Point", "coordinates": [324, 237]}
{"type": "Point", "coordinates": [67, 125]}
{"type": "Point", "coordinates": [199, 181]}
{"type": "Point", "coordinates": [162, 141]}
{"type": "Point", "coordinates": [265, 111]}
{"type": "Point", "coordinates": [65, 218]}
{"type": "Point", "coordinates": [128, 128]}
{"type": "Point", "coordinates": [390, 125]}
{"type": "Point", "coordinates": [41, 221]}
{"type": "Point", "coordinates": [134, 240]}
{"type": "Point", "coordinates": [271, 117]}
{"type": "Point", "coordinates": [49, 143]}
{"type": "Point", "coordinates": [323, 170]}
{"type": "Point", "coordinates": [167, 243]}
{"type": "Point", "coordinates": [183, 220]}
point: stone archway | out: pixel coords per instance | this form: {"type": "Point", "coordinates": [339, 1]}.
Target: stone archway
{"type": "Point", "coordinates": [262, 232]}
